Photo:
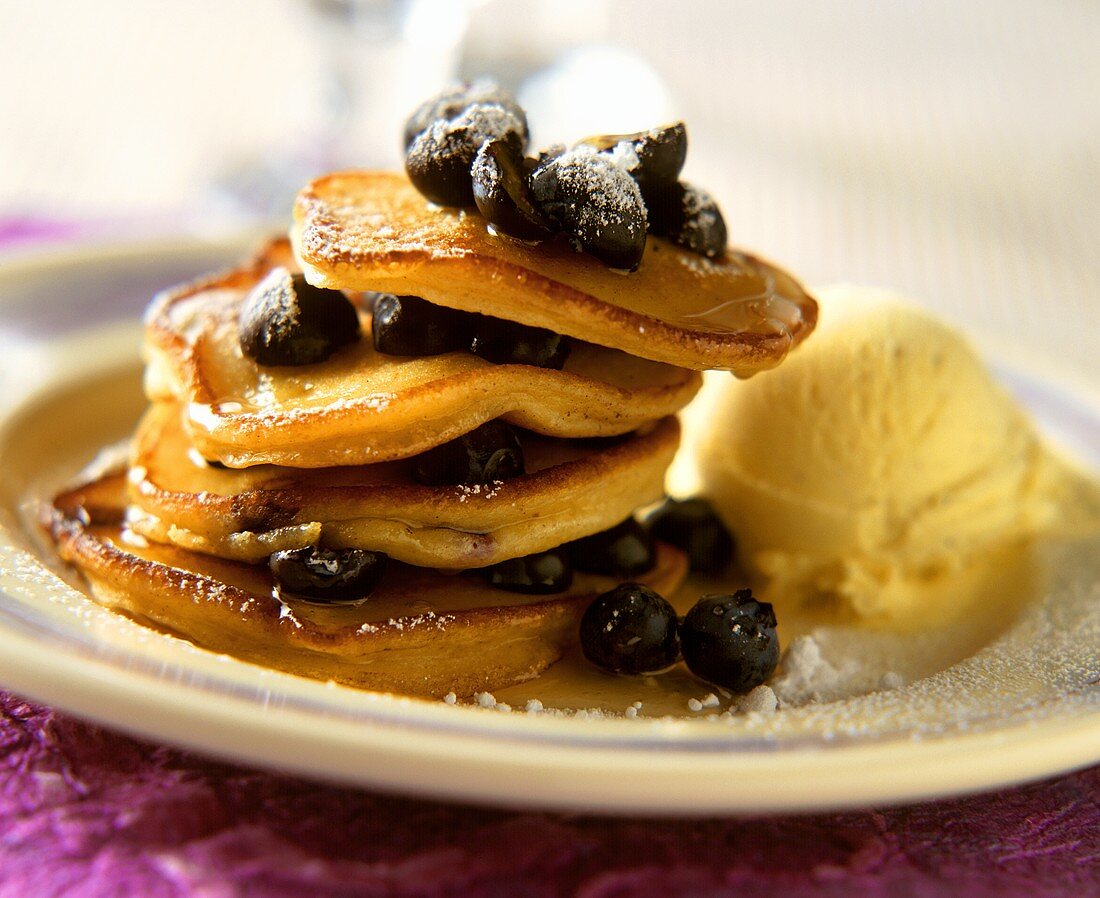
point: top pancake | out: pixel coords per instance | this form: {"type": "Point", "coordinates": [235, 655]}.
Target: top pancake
{"type": "Point", "coordinates": [360, 406]}
{"type": "Point", "coordinates": [374, 231]}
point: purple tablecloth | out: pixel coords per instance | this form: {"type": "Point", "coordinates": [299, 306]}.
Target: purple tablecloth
{"type": "Point", "coordinates": [88, 812]}
{"type": "Point", "coordinates": [85, 812]}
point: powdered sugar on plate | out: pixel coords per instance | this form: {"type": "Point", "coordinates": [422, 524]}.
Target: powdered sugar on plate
{"type": "Point", "coordinates": [842, 682]}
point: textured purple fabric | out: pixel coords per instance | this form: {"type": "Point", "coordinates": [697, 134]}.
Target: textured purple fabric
{"type": "Point", "coordinates": [89, 813]}
{"type": "Point", "coordinates": [85, 812]}
{"type": "Point", "coordinates": [22, 232]}
{"type": "Point", "coordinates": [16, 230]}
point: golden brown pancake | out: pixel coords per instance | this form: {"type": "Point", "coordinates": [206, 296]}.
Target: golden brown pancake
{"type": "Point", "coordinates": [360, 406]}
{"type": "Point", "coordinates": [572, 489]}
{"type": "Point", "coordinates": [421, 633]}
{"type": "Point", "coordinates": [373, 231]}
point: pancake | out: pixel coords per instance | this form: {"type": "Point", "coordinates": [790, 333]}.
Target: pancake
{"type": "Point", "coordinates": [374, 231]}
{"type": "Point", "coordinates": [360, 406]}
{"type": "Point", "coordinates": [421, 633]}
{"type": "Point", "coordinates": [572, 489]}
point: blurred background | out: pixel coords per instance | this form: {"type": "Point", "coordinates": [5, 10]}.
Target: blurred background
{"type": "Point", "coordinates": [950, 150]}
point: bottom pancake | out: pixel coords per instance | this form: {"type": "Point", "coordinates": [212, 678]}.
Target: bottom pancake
{"type": "Point", "coordinates": [421, 633]}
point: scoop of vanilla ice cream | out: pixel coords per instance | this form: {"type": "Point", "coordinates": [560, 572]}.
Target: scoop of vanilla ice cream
{"type": "Point", "coordinates": [879, 456]}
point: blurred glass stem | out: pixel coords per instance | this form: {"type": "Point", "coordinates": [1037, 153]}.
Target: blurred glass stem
{"type": "Point", "coordinates": [383, 58]}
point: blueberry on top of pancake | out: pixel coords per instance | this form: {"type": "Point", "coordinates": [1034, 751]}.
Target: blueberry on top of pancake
{"type": "Point", "coordinates": [453, 101]}
{"type": "Point", "coordinates": [286, 321]}
{"type": "Point", "coordinates": [374, 231]}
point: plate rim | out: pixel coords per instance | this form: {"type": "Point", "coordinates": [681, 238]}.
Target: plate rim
{"type": "Point", "coordinates": [452, 767]}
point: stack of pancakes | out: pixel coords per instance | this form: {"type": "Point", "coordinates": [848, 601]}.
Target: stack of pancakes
{"type": "Point", "coordinates": [235, 461]}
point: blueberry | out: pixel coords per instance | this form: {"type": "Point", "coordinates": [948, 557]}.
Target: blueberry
{"type": "Point", "coordinates": [286, 321]}
{"type": "Point", "coordinates": [688, 217]}
{"type": "Point", "coordinates": [438, 164]}
{"type": "Point", "coordinates": [661, 151]}
{"type": "Point", "coordinates": [730, 641]}
{"type": "Point", "coordinates": [692, 525]}
{"type": "Point", "coordinates": [439, 158]}
{"type": "Point", "coordinates": [327, 575]}
{"type": "Point", "coordinates": [455, 100]}
{"type": "Point", "coordinates": [500, 190]}
{"type": "Point", "coordinates": [486, 454]}
{"type": "Point", "coordinates": [596, 201]}
{"type": "Point", "coordinates": [508, 343]}
{"type": "Point", "coordinates": [538, 574]}
{"type": "Point", "coordinates": [623, 551]}
{"type": "Point", "coordinates": [630, 629]}
{"type": "Point", "coordinates": [409, 325]}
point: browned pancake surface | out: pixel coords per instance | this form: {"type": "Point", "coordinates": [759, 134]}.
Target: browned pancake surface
{"type": "Point", "coordinates": [373, 231]}
{"type": "Point", "coordinates": [421, 633]}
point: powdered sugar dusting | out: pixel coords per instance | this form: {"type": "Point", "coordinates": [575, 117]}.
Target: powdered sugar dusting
{"type": "Point", "coordinates": [453, 100]}
{"type": "Point", "coordinates": [701, 217]}
{"type": "Point", "coordinates": [762, 700]}
{"type": "Point", "coordinates": [611, 197]}
{"type": "Point", "coordinates": [462, 136]}
{"type": "Point", "coordinates": [425, 620]}
{"type": "Point", "coordinates": [484, 122]}
{"type": "Point", "coordinates": [273, 302]}
{"type": "Point", "coordinates": [623, 155]}
{"type": "Point", "coordinates": [805, 675]}
{"type": "Point", "coordinates": [485, 491]}
{"type": "Point", "coordinates": [485, 170]}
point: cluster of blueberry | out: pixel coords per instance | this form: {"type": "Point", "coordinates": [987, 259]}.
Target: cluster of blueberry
{"type": "Point", "coordinates": [350, 575]}
{"type": "Point", "coordinates": [625, 550]}
{"type": "Point", "coordinates": [467, 147]}
{"type": "Point", "coordinates": [727, 640]}
{"type": "Point", "coordinates": [287, 321]}
{"type": "Point", "coordinates": [411, 326]}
